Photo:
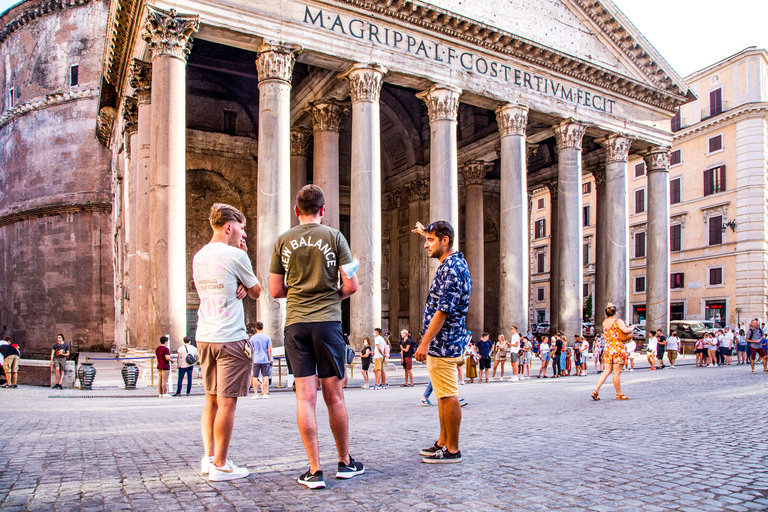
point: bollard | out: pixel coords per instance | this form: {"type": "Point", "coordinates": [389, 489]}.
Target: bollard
{"type": "Point", "coordinates": [280, 372]}
{"type": "Point", "coordinates": [152, 372]}
{"type": "Point", "coordinates": [352, 369]}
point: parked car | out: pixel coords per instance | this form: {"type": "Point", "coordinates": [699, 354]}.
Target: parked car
{"type": "Point", "coordinates": [691, 329]}
{"type": "Point", "coordinates": [638, 332]}
{"type": "Point", "coordinates": [587, 329]}
{"type": "Point", "coordinates": [542, 328]}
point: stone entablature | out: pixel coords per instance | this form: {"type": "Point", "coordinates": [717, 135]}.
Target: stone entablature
{"type": "Point", "coordinates": [748, 111]}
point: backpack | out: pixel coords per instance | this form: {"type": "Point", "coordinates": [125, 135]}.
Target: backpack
{"type": "Point", "coordinates": [190, 359]}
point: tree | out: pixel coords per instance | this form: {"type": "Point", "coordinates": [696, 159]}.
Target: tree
{"type": "Point", "coordinates": [588, 308]}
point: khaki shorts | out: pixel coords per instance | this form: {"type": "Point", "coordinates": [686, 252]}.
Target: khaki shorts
{"type": "Point", "coordinates": [378, 364]}
{"type": "Point", "coordinates": [671, 354]}
{"type": "Point", "coordinates": [60, 363]}
{"type": "Point", "coordinates": [11, 364]}
{"type": "Point", "coordinates": [226, 368]}
{"type": "Point", "coordinates": [444, 373]}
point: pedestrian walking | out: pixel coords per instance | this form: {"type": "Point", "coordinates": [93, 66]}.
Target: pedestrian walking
{"type": "Point", "coordinates": [514, 353]}
{"type": "Point", "coordinates": [631, 347]}
{"type": "Point", "coordinates": [472, 362]}
{"type": "Point", "coordinates": [59, 355]}
{"type": "Point", "coordinates": [379, 360]}
{"type": "Point", "coordinates": [673, 346]}
{"type": "Point", "coordinates": [726, 346]}
{"type": "Point", "coordinates": [754, 337]}
{"type": "Point", "coordinates": [407, 349]}
{"type": "Point", "coordinates": [615, 356]}
{"type": "Point", "coordinates": [306, 266]}
{"type": "Point", "coordinates": [661, 348]}
{"type": "Point", "coordinates": [741, 348]}
{"type": "Point", "coordinates": [500, 355]}
{"type": "Point", "coordinates": [365, 360]}
{"type": "Point", "coordinates": [261, 360]}
{"type": "Point", "coordinates": [223, 277]}
{"type": "Point", "coordinates": [544, 355]}
{"type": "Point", "coordinates": [163, 355]}
{"type": "Point", "coordinates": [597, 351]}
{"type": "Point", "coordinates": [650, 351]}
{"type": "Point", "coordinates": [445, 336]}
{"type": "Point", "coordinates": [524, 360]}
{"type": "Point", "coordinates": [186, 357]}
{"type": "Point", "coordinates": [584, 349]}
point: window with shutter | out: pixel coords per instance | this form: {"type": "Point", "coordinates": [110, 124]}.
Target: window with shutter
{"type": "Point", "coordinates": [639, 201]}
{"type": "Point", "coordinates": [715, 102]}
{"type": "Point", "coordinates": [716, 230]}
{"type": "Point", "coordinates": [541, 230]}
{"type": "Point", "coordinates": [585, 216]}
{"type": "Point", "coordinates": [586, 188]}
{"type": "Point", "coordinates": [677, 280]}
{"type": "Point", "coordinates": [540, 204]}
{"type": "Point", "coordinates": [676, 121]}
{"type": "Point", "coordinates": [540, 294]}
{"type": "Point", "coordinates": [675, 238]}
{"type": "Point", "coordinates": [639, 284]}
{"type": "Point", "coordinates": [540, 263]}
{"type": "Point", "coordinates": [715, 143]}
{"type": "Point", "coordinates": [585, 254]}
{"type": "Point", "coordinates": [714, 180]}
{"type": "Point", "coordinates": [675, 157]}
{"type": "Point", "coordinates": [640, 169]}
{"type": "Point", "coordinates": [715, 276]}
{"type": "Point", "coordinates": [639, 245]}
{"type": "Point", "coordinates": [675, 191]}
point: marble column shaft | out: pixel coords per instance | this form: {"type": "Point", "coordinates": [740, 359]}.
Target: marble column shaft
{"type": "Point", "coordinates": [167, 34]}
{"type": "Point", "coordinates": [554, 258]}
{"type": "Point", "coordinates": [443, 106]}
{"type": "Point", "coordinates": [140, 80]}
{"type": "Point", "coordinates": [474, 246]}
{"type": "Point", "coordinates": [275, 68]}
{"type": "Point", "coordinates": [365, 81]}
{"type": "Point", "coordinates": [393, 204]}
{"type": "Point", "coordinates": [326, 120]}
{"type": "Point", "coordinates": [417, 192]}
{"type": "Point", "coordinates": [299, 147]}
{"type": "Point", "coordinates": [617, 230]}
{"type": "Point", "coordinates": [657, 266]}
{"type": "Point", "coordinates": [598, 302]}
{"type": "Point", "coordinates": [131, 182]}
{"type": "Point", "coordinates": [514, 221]}
{"type": "Point", "coordinates": [569, 135]}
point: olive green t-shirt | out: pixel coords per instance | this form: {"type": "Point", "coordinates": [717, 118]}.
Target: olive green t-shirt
{"type": "Point", "coordinates": [310, 255]}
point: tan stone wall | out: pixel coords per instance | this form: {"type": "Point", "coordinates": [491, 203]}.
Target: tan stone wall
{"type": "Point", "coordinates": [55, 192]}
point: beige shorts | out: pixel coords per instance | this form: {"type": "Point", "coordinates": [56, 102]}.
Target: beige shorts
{"type": "Point", "coordinates": [672, 354]}
{"type": "Point", "coordinates": [11, 364]}
{"type": "Point", "coordinates": [444, 373]}
{"type": "Point", "coordinates": [378, 364]}
{"type": "Point", "coordinates": [226, 368]}
{"type": "Point", "coordinates": [60, 363]}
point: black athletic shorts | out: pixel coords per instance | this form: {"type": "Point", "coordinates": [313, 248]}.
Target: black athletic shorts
{"type": "Point", "coordinates": [485, 363]}
{"type": "Point", "coordinates": [315, 348]}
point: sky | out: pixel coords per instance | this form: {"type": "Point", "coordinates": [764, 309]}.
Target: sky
{"type": "Point", "coordinates": [689, 34]}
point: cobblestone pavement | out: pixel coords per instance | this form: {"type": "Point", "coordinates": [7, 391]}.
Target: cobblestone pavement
{"type": "Point", "coordinates": [692, 439]}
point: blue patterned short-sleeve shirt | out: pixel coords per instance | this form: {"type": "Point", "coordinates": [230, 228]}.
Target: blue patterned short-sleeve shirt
{"type": "Point", "coordinates": [449, 292]}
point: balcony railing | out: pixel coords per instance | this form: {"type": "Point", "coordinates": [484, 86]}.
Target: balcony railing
{"type": "Point", "coordinates": [713, 110]}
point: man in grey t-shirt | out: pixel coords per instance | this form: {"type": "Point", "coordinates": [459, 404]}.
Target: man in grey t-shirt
{"type": "Point", "coordinates": [754, 339]}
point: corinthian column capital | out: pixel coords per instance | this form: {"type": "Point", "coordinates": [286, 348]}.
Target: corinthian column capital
{"type": "Point", "coordinates": [365, 81]}
{"type": "Point", "coordinates": [300, 138]}
{"type": "Point", "coordinates": [599, 174]}
{"type": "Point", "coordinates": [474, 172]}
{"type": "Point", "coordinates": [442, 102]}
{"type": "Point", "coordinates": [326, 115]}
{"type": "Point", "coordinates": [140, 78]}
{"type": "Point", "coordinates": [169, 33]}
{"type": "Point", "coordinates": [617, 148]}
{"type": "Point", "coordinates": [512, 119]}
{"type": "Point", "coordinates": [392, 199]}
{"type": "Point", "coordinates": [275, 60]}
{"type": "Point", "coordinates": [552, 186]}
{"type": "Point", "coordinates": [130, 114]}
{"type": "Point", "coordinates": [417, 190]}
{"type": "Point", "coordinates": [568, 134]}
{"type": "Point", "coordinates": [657, 158]}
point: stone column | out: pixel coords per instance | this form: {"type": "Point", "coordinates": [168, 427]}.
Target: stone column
{"type": "Point", "coordinates": [416, 193]}
{"type": "Point", "coordinates": [326, 119]}
{"type": "Point", "coordinates": [393, 205]}
{"type": "Point", "coordinates": [554, 250]}
{"type": "Point", "coordinates": [141, 79]}
{"type": "Point", "coordinates": [443, 107]}
{"type": "Point", "coordinates": [569, 235]}
{"type": "Point", "coordinates": [168, 34]}
{"type": "Point", "coordinates": [515, 242]}
{"type": "Point", "coordinates": [657, 268]}
{"type": "Point", "coordinates": [275, 68]}
{"type": "Point", "coordinates": [300, 138]}
{"type": "Point", "coordinates": [617, 230]}
{"type": "Point", "coordinates": [130, 180]}
{"type": "Point", "coordinates": [365, 82]}
{"type": "Point", "coordinates": [474, 246]}
{"type": "Point", "coordinates": [598, 304]}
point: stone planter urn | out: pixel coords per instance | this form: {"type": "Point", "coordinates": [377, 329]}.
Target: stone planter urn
{"type": "Point", "coordinates": [130, 373]}
{"type": "Point", "coordinates": [86, 373]}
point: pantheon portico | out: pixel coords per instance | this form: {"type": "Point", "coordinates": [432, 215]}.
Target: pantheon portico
{"type": "Point", "coordinates": [402, 112]}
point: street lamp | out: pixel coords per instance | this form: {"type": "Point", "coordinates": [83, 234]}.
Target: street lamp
{"type": "Point", "coordinates": [730, 224]}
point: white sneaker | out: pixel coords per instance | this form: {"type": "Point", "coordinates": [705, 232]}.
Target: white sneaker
{"type": "Point", "coordinates": [205, 464]}
{"type": "Point", "coordinates": [461, 382]}
{"type": "Point", "coordinates": [228, 472]}
{"type": "Point", "coordinates": [632, 369]}
{"type": "Point", "coordinates": [715, 365]}
{"type": "Point", "coordinates": [514, 379]}
{"type": "Point", "coordinates": [265, 396]}
{"type": "Point", "coordinates": [365, 386]}
{"type": "Point", "coordinates": [673, 367]}
{"type": "Point", "coordinates": [256, 396]}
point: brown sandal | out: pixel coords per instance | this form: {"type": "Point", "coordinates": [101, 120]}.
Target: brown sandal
{"type": "Point", "coordinates": [622, 397]}
{"type": "Point", "coordinates": [594, 396]}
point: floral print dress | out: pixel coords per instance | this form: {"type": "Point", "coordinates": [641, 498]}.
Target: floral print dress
{"type": "Point", "coordinates": [615, 351]}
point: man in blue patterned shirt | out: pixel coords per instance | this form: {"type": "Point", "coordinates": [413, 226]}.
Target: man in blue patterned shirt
{"type": "Point", "coordinates": [445, 336]}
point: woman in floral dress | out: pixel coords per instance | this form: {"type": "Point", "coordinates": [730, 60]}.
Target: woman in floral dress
{"type": "Point", "coordinates": [615, 354]}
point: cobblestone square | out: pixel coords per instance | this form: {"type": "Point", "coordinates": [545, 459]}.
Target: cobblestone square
{"type": "Point", "coordinates": [691, 439]}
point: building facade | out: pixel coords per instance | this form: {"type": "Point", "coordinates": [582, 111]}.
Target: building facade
{"type": "Point", "coordinates": [717, 194]}
{"type": "Point", "coordinates": [402, 112]}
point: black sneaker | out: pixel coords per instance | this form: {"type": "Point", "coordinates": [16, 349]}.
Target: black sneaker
{"type": "Point", "coordinates": [313, 481]}
{"type": "Point", "coordinates": [426, 452]}
{"type": "Point", "coordinates": [443, 456]}
{"type": "Point", "coordinates": [354, 468]}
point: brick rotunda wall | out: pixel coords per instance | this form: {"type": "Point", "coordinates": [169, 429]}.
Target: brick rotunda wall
{"type": "Point", "coordinates": [55, 197]}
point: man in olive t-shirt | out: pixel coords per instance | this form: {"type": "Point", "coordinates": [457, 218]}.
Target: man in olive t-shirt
{"type": "Point", "coordinates": [305, 268]}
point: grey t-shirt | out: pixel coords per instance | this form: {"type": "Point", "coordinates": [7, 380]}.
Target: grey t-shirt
{"type": "Point", "coordinates": [754, 336]}
{"type": "Point", "coordinates": [309, 256]}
